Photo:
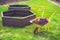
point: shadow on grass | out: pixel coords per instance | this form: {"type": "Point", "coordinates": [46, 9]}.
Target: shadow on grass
{"type": "Point", "coordinates": [49, 35]}
{"type": "Point", "coordinates": [44, 33]}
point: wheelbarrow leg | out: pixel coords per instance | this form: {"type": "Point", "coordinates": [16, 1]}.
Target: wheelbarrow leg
{"type": "Point", "coordinates": [45, 29]}
{"type": "Point", "coordinates": [48, 28]}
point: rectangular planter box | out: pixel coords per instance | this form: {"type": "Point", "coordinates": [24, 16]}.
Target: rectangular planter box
{"type": "Point", "coordinates": [17, 18]}
{"type": "Point", "coordinates": [58, 0]}
{"type": "Point", "coordinates": [2, 2]}
{"type": "Point", "coordinates": [19, 7]}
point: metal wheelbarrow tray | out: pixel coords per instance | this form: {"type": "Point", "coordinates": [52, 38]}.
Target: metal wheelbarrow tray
{"type": "Point", "coordinates": [17, 18]}
{"type": "Point", "coordinates": [19, 7]}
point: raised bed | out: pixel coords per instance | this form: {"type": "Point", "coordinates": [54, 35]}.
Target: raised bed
{"type": "Point", "coordinates": [56, 2]}
{"type": "Point", "coordinates": [19, 7]}
{"type": "Point", "coordinates": [2, 2]}
{"type": "Point", "coordinates": [17, 18]}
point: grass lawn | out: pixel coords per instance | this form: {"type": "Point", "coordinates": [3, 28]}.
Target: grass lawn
{"type": "Point", "coordinates": [11, 33]}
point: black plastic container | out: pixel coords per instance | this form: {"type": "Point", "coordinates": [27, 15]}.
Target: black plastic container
{"type": "Point", "coordinates": [19, 7]}
{"type": "Point", "coordinates": [17, 18]}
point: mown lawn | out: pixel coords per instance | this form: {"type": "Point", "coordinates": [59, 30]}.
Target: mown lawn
{"type": "Point", "coordinates": [26, 33]}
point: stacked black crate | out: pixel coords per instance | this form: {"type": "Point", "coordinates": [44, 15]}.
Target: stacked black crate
{"type": "Point", "coordinates": [19, 7]}
{"type": "Point", "coordinates": [17, 16]}
{"type": "Point", "coordinates": [3, 2]}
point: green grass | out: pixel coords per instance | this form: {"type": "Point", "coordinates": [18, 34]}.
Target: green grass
{"type": "Point", "coordinates": [11, 33]}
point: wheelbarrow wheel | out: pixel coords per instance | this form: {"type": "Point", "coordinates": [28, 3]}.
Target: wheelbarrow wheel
{"type": "Point", "coordinates": [36, 30]}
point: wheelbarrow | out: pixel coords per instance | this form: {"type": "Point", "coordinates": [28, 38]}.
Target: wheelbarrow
{"type": "Point", "coordinates": [40, 22]}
